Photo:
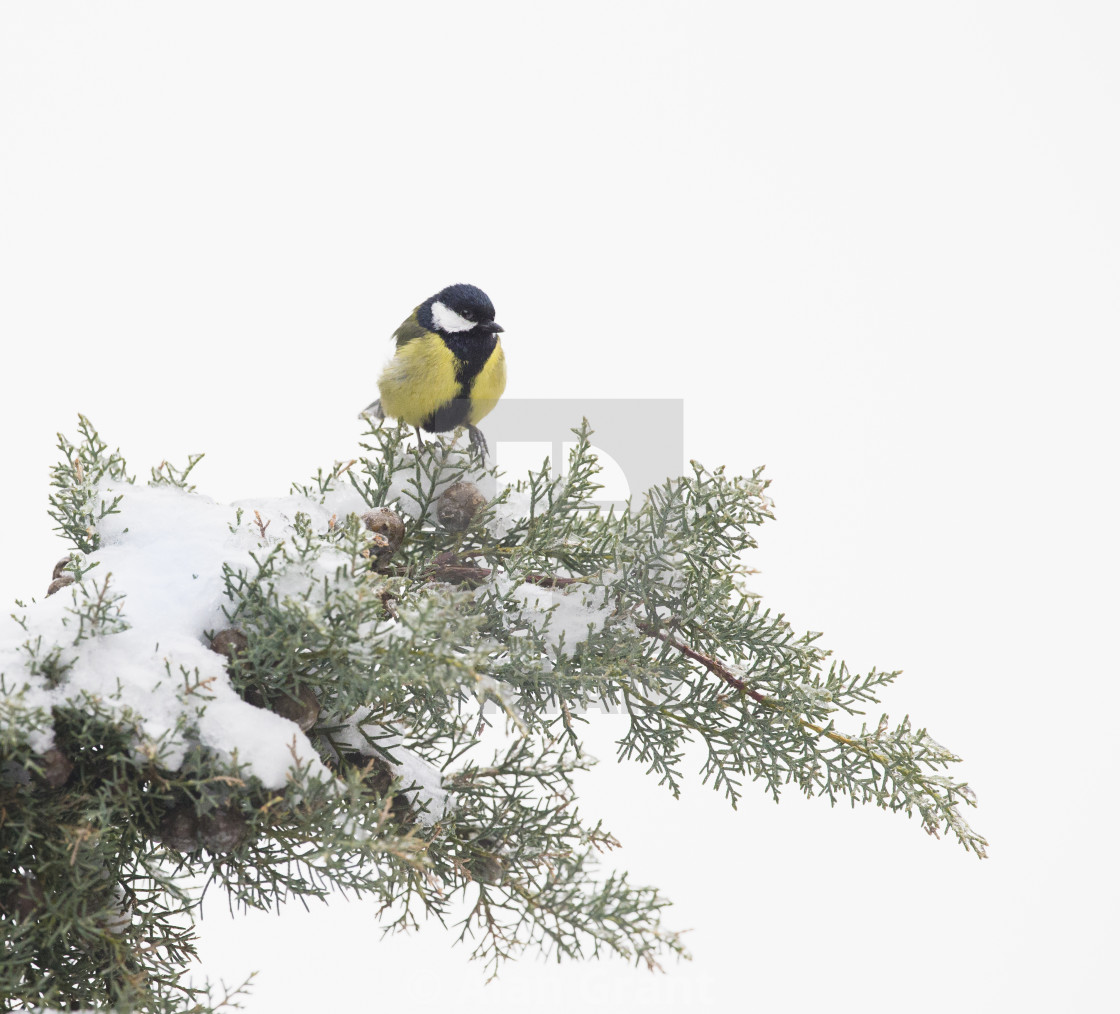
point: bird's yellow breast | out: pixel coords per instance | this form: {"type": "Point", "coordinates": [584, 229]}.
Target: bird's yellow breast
{"type": "Point", "coordinates": [488, 385]}
{"type": "Point", "coordinates": [421, 378]}
{"type": "Point", "coordinates": [418, 380]}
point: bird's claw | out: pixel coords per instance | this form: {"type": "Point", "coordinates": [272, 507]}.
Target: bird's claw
{"type": "Point", "coordinates": [478, 442]}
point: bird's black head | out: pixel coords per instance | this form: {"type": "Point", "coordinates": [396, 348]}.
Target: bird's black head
{"type": "Point", "coordinates": [459, 309]}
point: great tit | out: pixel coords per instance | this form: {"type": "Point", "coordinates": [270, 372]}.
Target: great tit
{"type": "Point", "coordinates": [448, 369]}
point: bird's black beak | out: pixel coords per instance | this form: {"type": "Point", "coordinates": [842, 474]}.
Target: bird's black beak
{"type": "Point", "coordinates": [491, 327]}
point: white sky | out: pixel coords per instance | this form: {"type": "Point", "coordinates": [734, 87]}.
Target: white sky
{"type": "Point", "coordinates": [873, 246]}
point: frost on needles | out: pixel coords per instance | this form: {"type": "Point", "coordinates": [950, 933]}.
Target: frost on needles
{"type": "Point", "coordinates": [377, 684]}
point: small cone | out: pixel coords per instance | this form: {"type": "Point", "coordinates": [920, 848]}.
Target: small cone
{"type": "Point", "coordinates": [458, 505]}
{"type": "Point", "coordinates": [179, 829]}
{"type": "Point", "coordinates": [222, 831]}
{"type": "Point", "coordinates": [388, 529]}
{"type": "Point", "coordinates": [229, 642]}
{"type": "Point", "coordinates": [303, 709]}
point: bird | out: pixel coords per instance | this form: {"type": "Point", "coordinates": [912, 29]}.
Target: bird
{"type": "Point", "coordinates": [448, 369]}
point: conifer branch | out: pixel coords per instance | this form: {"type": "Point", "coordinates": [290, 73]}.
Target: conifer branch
{"type": "Point", "coordinates": [382, 624]}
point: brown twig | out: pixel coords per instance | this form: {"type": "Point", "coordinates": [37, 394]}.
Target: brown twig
{"type": "Point", "coordinates": [201, 685]}
{"type": "Point", "coordinates": [450, 568]}
{"type": "Point", "coordinates": [713, 665]}
{"type": "Point", "coordinates": [548, 581]}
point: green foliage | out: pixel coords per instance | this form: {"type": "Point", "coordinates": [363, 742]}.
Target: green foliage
{"type": "Point", "coordinates": [75, 505]}
{"type": "Point", "coordinates": [404, 659]}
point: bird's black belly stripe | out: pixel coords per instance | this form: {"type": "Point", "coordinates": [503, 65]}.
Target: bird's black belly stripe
{"type": "Point", "coordinates": [448, 416]}
{"type": "Point", "coordinates": [471, 352]}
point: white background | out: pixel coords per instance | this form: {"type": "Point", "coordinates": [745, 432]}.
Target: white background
{"type": "Point", "coordinates": [873, 246]}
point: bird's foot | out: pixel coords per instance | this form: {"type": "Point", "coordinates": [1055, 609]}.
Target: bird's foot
{"type": "Point", "coordinates": [478, 442]}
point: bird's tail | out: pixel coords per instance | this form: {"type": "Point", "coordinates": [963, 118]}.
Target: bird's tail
{"type": "Point", "coordinates": [374, 409]}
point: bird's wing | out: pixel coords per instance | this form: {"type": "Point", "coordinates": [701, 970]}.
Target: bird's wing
{"type": "Point", "coordinates": [409, 330]}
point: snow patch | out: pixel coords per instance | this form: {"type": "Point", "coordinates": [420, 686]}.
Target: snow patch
{"type": "Point", "coordinates": [510, 514]}
{"type": "Point", "coordinates": [568, 616]}
{"type": "Point", "coordinates": [161, 560]}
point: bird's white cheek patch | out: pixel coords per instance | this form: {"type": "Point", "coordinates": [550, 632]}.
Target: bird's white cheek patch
{"type": "Point", "coordinates": [447, 319]}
